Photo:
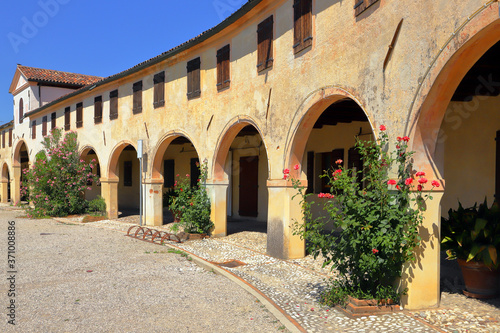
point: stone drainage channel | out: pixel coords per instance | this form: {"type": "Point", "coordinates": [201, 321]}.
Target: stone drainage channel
{"type": "Point", "coordinates": [289, 291]}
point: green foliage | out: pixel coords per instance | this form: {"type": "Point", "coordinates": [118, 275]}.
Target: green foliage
{"type": "Point", "coordinates": [192, 204]}
{"type": "Point", "coordinates": [375, 219]}
{"type": "Point", "coordinates": [97, 206]}
{"type": "Point", "coordinates": [473, 233]}
{"type": "Point", "coordinates": [58, 178]}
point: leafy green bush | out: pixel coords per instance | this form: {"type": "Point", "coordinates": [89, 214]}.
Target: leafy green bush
{"type": "Point", "coordinates": [58, 178]}
{"type": "Point", "coordinates": [192, 204]}
{"type": "Point", "coordinates": [375, 219]}
{"type": "Point", "coordinates": [97, 206]}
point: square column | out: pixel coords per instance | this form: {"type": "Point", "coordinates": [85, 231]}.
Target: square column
{"type": "Point", "coordinates": [4, 190]}
{"type": "Point", "coordinates": [109, 191]}
{"type": "Point", "coordinates": [283, 212]}
{"type": "Point", "coordinates": [153, 202]}
{"type": "Point", "coordinates": [422, 277]}
{"type": "Point", "coordinates": [15, 188]}
{"type": "Point", "coordinates": [217, 191]}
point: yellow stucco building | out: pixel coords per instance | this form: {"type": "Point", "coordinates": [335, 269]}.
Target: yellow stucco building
{"type": "Point", "coordinates": [280, 83]}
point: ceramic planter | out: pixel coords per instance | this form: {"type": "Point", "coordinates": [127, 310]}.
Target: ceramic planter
{"type": "Point", "coordinates": [480, 281]}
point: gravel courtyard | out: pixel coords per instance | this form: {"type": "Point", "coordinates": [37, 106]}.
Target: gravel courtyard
{"type": "Point", "coordinates": [75, 278]}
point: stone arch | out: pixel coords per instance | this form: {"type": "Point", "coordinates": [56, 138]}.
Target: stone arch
{"type": "Point", "coordinates": [427, 114]}
{"type": "Point", "coordinates": [115, 156]}
{"type": "Point", "coordinates": [16, 161]}
{"type": "Point", "coordinates": [5, 172]}
{"type": "Point", "coordinates": [304, 118]}
{"type": "Point", "coordinates": [232, 128]}
{"type": "Point", "coordinates": [161, 148]}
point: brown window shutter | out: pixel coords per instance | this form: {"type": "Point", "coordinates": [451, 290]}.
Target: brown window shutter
{"type": "Point", "coordinates": [67, 119]}
{"type": "Point", "coordinates": [361, 5]}
{"type": "Point", "coordinates": [44, 126]}
{"type": "Point", "coordinates": [53, 120]}
{"type": "Point", "coordinates": [79, 115]}
{"type": "Point", "coordinates": [21, 111]}
{"type": "Point", "coordinates": [159, 90]}
{"type": "Point", "coordinates": [265, 44]}
{"type": "Point", "coordinates": [223, 78]}
{"type": "Point", "coordinates": [193, 69]}
{"type": "Point", "coordinates": [33, 129]}
{"type": "Point", "coordinates": [3, 139]}
{"type": "Point", "coordinates": [297, 24]}
{"type": "Point", "coordinates": [113, 105]}
{"type": "Point", "coordinates": [306, 23]}
{"type": "Point", "coordinates": [98, 110]}
{"type": "Point", "coordinates": [137, 97]}
{"type": "Point", "coordinates": [10, 137]}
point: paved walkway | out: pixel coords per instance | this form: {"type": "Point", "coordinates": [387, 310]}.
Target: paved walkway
{"type": "Point", "coordinates": [290, 290]}
{"type": "Point", "coordinates": [293, 289]}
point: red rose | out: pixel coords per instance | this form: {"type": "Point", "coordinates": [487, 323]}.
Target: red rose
{"type": "Point", "coordinates": [406, 139]}
{"type": "Point", "coordinates": [422, 180]}
{"type": "Point", "coordinates": [435, 183]}
{"type": "Point", "coordinates": [408, 181]}
{"type": "Point", "coordinates": [420, 173]}
{"type": "Point", "coordinates": [398, 187]}
{"type": "Point", "coordinates": [375, 251]}
{"type": "Point", "coordinates": [339, 161]}
{"type": "Point", "coordinates": [419, 187]}
{"type": "Point", "coordinates": [391, 182]}
{"type": "Point", "coordinates": [286, 171]}
{"type": "Point", "coordinates": [383, 128]}
{"type": "Point", "coordinates": [399, 138]}
{"type": "Point", "coordinates": [296, 167]}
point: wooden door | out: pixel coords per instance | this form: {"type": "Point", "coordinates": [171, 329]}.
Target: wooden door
{"type": "Point", "coordinates": [249, 188]}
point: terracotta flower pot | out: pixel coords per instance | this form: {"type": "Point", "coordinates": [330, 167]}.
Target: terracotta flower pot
{"type": "Point", "coordinates": [480, 281]}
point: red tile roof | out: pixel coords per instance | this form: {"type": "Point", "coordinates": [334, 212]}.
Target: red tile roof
{"type": "Point", "coordinates": [57, 77]}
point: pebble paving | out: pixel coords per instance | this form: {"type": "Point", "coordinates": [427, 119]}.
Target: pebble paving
{"type": "Point", "coordinates": [296, 290]}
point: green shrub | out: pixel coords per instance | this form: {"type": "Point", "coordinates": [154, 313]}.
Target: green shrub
{"type": "Point", "coordinates": [97, 206]}
{"type": "Point", "coordinates": [58, 178]}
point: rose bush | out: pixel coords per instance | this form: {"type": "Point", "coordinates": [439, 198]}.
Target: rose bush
{"type": "Point", "coordinates": [375, 217]}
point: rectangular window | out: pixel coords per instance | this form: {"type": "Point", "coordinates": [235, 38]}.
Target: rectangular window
{"type": "Point", "coordinates": [52, 120]}
{"type": "Point", "coordinates": [302, 24]}
{"type": "Point", "coordinates": [3, 139]}
{"type": "Point", "coordinates": [223, 77]}
{"type": "Point", "coordinates": [355, 162]}
{"type": "Point", "coordinates": [265, 44]}
{"type": "Point", "coordinates": [113, 105]}
{"type": "Point", "coordinates": [33, 129]}
{"type": "Point", "coordinates": [98, 110]}
{"type": "Point", "coordinates": [168, 173]}
{"type": "Point", "coordinates": [137, 97]}
{"type": "Point", "coordinates": [10, 137]}
{"type": "Point", "coordinates": [127, 173]}
{"type": "Point", "coordinates": [67, 123]}
{"type": "Point", "coordinates": [44, 126]}
{"type": "Point", "coordinates": [195, 171]}
{"type": "Point", "coordinates": [159, 90]}
{"type": "Point", "coordinates": [361, 5]}
{"type": "Point", "coordinates": [79, 115]}
{"type": "Point", "coordinates": [193, 78]}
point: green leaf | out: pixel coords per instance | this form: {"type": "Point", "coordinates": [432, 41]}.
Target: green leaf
{"type": "Point", "coordinates": [493, 254]}
{"type": "Point", "coordinates": [474, 251]}
{"type": "Point", "coordinates": [480, 224]}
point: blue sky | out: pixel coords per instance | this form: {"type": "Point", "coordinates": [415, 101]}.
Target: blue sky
{"type": "Point", "coordinates": [96, 37]}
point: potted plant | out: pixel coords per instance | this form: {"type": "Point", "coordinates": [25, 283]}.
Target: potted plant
{"type": "Point", "coordinates": [472, 236]}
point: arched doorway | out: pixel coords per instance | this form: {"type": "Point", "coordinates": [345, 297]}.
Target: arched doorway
{"type": "Point", "coordinates": [5, 183]}
{"type": "Point", "coordinates": [240, 175]}
{"type": "Point", "coordinates": [89, 155]}
{"type": "Point", "coordinates": [21, 162]}
{"type": "Point", "coordinates": [176, 159]}
{"type": "Point", "coordinates": [123, 181]}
